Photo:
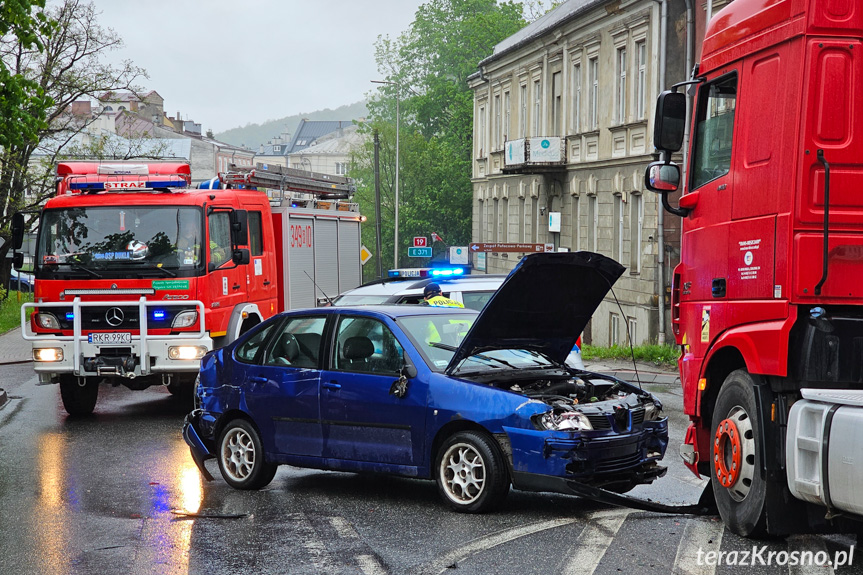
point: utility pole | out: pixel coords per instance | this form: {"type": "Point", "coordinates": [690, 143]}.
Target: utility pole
{"type": "Point", "coordinates": [378, 204]}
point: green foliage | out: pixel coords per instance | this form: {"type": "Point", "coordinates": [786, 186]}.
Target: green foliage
{"type": "Point", "coordinates": [10, 309]}
{"type": "Point", "coordinates": [665, 355]}
{"type": "Point", "coordinates": [427, 69]}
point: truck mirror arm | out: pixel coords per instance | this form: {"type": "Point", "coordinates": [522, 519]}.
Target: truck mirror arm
{"type": "Point", "coordinates": [681, 212]}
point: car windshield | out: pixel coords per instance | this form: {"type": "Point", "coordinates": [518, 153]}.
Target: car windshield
{"type": "Point", "coordinates": [121, 237]}
{"type": "Point", "coordinates": [437, 336]}
{"type": "Point", "coordinates": [349, 299]}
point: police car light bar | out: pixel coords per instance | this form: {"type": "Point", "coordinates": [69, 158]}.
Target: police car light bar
{"type": "Point", "coordinates": [426, 272]}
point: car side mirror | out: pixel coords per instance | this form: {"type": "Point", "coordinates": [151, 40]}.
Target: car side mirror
{"type": "Point", "coordinates": [662, 178]}
{"type": "Point", "coordinates": [17, 230]}
{"type": "Point", "coordinates": [18, 261]}
{"type": "Point", "coordinates": [241, 257]}
{"type": "Point", "coordinates": [409, 370]}
{"type": "Point", "coordinates": [669, 121]}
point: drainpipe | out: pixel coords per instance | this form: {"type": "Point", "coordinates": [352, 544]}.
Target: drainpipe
{"type": "Point", "coordinates": [660, 220]}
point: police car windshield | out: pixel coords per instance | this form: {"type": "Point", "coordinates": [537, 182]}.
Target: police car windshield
{"type": "Point", "coordinates": [117, 237]}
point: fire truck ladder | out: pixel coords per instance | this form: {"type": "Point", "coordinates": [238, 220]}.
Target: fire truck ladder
{"type": "Point", "coordinates": [324, 186]}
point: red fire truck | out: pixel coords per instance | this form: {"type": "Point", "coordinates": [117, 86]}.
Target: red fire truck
{"type": "Point", "coordinates": [767, 301]}
{"type": "Point", "coordinates": [138, 275]}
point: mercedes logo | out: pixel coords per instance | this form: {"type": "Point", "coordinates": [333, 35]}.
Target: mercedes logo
{"type": "Point", "coordinates": [114, 316]}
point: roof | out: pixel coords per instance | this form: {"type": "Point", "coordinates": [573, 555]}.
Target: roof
{"type": "Point", "coordinates": [309, 131]}
{"type": "Point", "coordinates": [542, 25]}
{"type": "Point", "coordinates": [331, 144]}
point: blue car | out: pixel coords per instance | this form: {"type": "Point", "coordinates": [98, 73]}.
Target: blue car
{"type": "Point", "coordinates": [478, 402]}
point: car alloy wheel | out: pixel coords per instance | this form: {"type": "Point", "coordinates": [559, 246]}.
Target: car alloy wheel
{"type": "Point", "coordinates": [241, 457]}
{"type": "Point", "coordinates": [471, 475]}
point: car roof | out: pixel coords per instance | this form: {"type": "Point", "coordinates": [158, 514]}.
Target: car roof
{"type": "Point", "coordinates": [393, 311]}
{"type": "Point", "coordinates": [416, 285]}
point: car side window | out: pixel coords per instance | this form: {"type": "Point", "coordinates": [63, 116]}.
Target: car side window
{"type": "Point", "coordinates": [247, 351]}
{"type": "Point", "coordinates": [714, 131]}
{"type": "Point", "coordinates": [298, 343]}
{"type": "Point", "coordinates": [476, 299]}
{"type": "Point", "coordinates": [365, 345]}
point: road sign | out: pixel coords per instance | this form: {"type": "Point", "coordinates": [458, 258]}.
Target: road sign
{"type": "Point", "coordinates": [365, 255]}
{"type": "Point", "coordinates": [458, 255]}
{"type": "Point", "coordinates": [420, 242]}
{"type": "Point", "coordinates": [518, 248]}
{"type": "Point", "coordinates": [419, 252]}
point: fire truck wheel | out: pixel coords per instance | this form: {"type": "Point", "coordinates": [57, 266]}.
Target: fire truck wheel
{"type": "Point", "coordinates": [735, 470]}
{"type": "Point", "coordinates": [77, 399]}
{"type": "Point", "coordinates": [241, 457]}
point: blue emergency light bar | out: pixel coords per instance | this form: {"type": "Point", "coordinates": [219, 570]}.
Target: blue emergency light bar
{"type": "Point", "coordinates": [427, 272]}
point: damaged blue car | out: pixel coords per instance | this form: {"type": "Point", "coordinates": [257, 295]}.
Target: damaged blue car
{"type": "Point", "coordinates": [478, 402]}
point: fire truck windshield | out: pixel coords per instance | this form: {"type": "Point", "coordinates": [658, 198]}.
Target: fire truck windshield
{"type": "Point", "coordinates": [165, 240]}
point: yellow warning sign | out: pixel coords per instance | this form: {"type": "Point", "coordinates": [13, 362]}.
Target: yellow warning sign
{"type": "Point", "coordinates": [705, 324]}
{"type": "Point", "coordinates": [365, 255]}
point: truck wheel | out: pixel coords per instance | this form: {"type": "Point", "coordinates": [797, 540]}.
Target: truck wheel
{"type": "Point", "coordinates": [77, 399]}
{"type": "Point", "coordinates": [241, 457]}
{"type": "Point", "coordinates": [471, 475]}
{"type": "Point", "coordinates": [735, 468]}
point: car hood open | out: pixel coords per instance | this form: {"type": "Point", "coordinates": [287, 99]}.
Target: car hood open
{"type": "Point", "coordinates": [543, 305]}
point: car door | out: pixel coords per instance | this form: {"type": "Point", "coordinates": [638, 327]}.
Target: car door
{"type": "Point", "coordinates": [361, 419]}
{"type": "Point", "coordinates": [285, 384]}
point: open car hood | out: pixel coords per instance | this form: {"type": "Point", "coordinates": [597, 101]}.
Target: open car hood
{"type": "Point", "coordinates": [543, 305]}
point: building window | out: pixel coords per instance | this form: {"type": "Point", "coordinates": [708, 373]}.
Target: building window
{"type": "Point", "coordinates": [591, 223]}
{"type": "Point", "coordinates": [641, 82]}
{"type": "Point", "coordinates": [505, 223]}
{"type": "Point", "coordinates": [593, 86]}
{"type": "Point", "coordinates": [632, 323]}
{"type": "Point", "coordinates": [521, 221]}
{"type": "Point", "coordinates": [481, 135]}
{"type": "Point", "coordinates": [556, 104]}
{"type": "Point", "coordinates": [537, 108]}
{"type": "Point", "coordinates": [481, 223]}
{"type": "Point", "coordinates": [496, 220]}
{"type": "Point", "coordinates": [534, 218]}
{"type": "Point", "coordinates": [576, 217]}
{"type": "Point", "coordinates": [617, 233]}
{"type": "Point", "coordinates": [576, 98]}
{"type": "Point", "coordinates": [497, 126]}
{"type": "Point", "coordinates": [621, 86]}
{"type": "Point", "coordinates": [277, 149]}
{"type": "Point", "coordinates": [522, 113]}
{"type": "Point", "coordinates": [636, 219]}
{"type": "Point", "coordinates": [341, 168]}
{"type": "Point", "coordinates": [613, 330]}
{"type": "Point", "coordinates": [506, 116]}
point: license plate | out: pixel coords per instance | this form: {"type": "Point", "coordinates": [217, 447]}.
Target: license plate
{"type": "Point", "coordinates": [118, 337]}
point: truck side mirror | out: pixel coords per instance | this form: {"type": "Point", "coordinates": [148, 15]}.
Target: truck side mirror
{"type": "Point", "coordinates": [662, 178]}
{"type": "Point", "coordinates": [241, 257]}
{"type": "Point", "coordinates": [18, 260]}
{"type": "Point", "coordinates": [239, 227]}
{"type": "Point", "coordinates": [17, 230]}
{"type": "Point", "coordinates": [670, 121]}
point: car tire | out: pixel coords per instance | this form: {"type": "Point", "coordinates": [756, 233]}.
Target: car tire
{"type": "Point", "coordinates": [241, 457]}
{"type": "Point", "coordinates": [470, 472]}
{"type": "Point", "coordinates": [735, 469]}
{"type": "Point", "coordinates": [79, 399]}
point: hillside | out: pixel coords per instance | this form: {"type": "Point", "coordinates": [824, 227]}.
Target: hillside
{"type": "Point", "coordinates": [253, 135]}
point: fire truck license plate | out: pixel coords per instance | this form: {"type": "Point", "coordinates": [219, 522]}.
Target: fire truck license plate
{"type": "Point", "coordinates": [125, 337]}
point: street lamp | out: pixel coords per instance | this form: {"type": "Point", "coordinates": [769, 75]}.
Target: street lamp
{"type": "Point", "coordinates": [396, 229]}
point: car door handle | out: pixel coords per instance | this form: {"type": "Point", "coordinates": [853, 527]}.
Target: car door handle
{"type": "Point", "coordinates": [266, 283]}
{"type": "Point", "coordinates": [331, 385]}
{"type": "Point", "coordinates": [236, 286]}
{"type": "Point", "coordinates": [258, 379]}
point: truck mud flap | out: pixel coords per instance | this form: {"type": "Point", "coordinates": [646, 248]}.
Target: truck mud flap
{"type": "Point", "coordinates": [706, 504]}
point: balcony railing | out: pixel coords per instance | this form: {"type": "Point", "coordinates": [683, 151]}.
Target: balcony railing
{"type": "Point", "coordinates": [537, 152]}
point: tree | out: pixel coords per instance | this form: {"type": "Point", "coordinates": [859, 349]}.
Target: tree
{"type": "Point", "coordinates": [60, 55]}
{"type": "Point", "coordinates": [428, 67]}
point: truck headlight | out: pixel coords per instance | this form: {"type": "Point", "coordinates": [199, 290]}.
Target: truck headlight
{"type": "Point", "coordinates": [185, 319]}
{"type": "Point", "coordinates": [186, 352]}
{"type": "Point", "coordinates": [47, 320]}
{"type": "Point", "coordinates": [48, 354]}
{"type": "Point", "coordinates": [566, 421]}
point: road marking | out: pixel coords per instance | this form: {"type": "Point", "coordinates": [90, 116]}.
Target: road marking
{"type": "Point", "coordinates": [343, 528]}
{"type": "Point", "coordinates": [594, 541]}
{"type": "Point", "coordinates": [798, 543]}
{"type": "Point", "coordinates": [369, 565]}
{"type": "Point", "coordinates": [311, 541]}
{"type": "Point", "coordinates": [442, 564]}
{"type": "Point", "coordinates": [698, 535]}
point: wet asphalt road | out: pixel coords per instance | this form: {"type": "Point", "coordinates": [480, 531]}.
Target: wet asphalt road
{"type": "Point", "coordinates": [98, 496]}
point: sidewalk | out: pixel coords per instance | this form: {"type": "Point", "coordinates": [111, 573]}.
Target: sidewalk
{"type": "Point", "coordinates": [13, 349]}
{"type": "Point", "coordinates": [625, 370]}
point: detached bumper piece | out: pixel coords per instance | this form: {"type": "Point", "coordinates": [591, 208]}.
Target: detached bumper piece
{"type": "Point", "coordinates": [192, 435]}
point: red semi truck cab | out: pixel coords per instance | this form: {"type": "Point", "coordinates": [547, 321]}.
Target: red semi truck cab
{"type": "Point", "coordinates": [138, 275]}
{"type": "Point", "coordinates": [767, 301]}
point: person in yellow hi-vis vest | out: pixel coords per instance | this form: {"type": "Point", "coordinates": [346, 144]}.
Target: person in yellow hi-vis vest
{"type": "Point", "coordinates": [432, 296]}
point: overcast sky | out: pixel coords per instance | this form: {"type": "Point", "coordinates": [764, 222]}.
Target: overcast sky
{"type": "Point", "coordinates": [227, 63]}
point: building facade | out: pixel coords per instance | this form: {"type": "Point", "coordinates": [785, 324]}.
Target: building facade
{"type": "Point", "coordinates": [562, 136]}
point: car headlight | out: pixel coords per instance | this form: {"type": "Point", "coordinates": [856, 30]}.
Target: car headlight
{"type": "Point", "coordinates": [652, 410]}
{"type": "Point", "coordinates": [566, 421]}
{"type": "Point", "coordinates": [48, 354]}
{"type": "Point", "coordinates": [185, 319]}
{"type": "Point", "coordinates": [47, 320]}
{"type": "Point", "coordinates": [186, 351]}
